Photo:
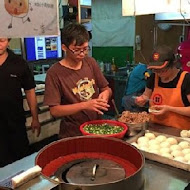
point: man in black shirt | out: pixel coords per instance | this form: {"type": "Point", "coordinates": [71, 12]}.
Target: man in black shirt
{"type": "Point", "coordinates": [14, 75]}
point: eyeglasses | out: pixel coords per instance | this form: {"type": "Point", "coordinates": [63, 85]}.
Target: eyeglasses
{"type": "Point", "coordinates": [164, 70]}
{"type": "Point", "coordinates": [79, 51]}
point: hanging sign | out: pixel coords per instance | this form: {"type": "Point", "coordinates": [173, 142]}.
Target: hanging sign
{"type": "Point", "coordinates": [143, 7]}
{"type": "Point", "coordinates": [21, 18]}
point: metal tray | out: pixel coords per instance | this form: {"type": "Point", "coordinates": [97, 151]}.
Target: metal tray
{"type": "Point", "coordinates": [159, 158]}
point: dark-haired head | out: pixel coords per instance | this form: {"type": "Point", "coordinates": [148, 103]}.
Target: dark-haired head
{"type": "Point", "coordinates": [74, 32]}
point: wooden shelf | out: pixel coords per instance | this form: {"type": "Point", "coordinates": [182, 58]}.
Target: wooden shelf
{"type": "Point", "coordinates": [81, 17]}
{"type": "Point", "coordinates": [85, 20]}
{"type": "Point", "coordinates": [85, 6]}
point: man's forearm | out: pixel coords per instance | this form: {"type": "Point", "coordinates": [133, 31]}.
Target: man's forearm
{"type": "Point", "coordinates": [63, 110]}
{"type": "Point", "coordinates": [32, 102]}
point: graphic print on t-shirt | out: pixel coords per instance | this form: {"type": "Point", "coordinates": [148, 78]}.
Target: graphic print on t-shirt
{"type": "Point", "coordinates": [84, 89]}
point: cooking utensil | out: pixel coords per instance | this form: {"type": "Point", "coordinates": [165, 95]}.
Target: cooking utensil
{"type": "Point", "coordinates": [134, 129]}
{"type": "Point", "coordinates": [94, 171]}
{"type": "Point", "coordinates": [115, 107]}
{"type": "Point", "coordinates": [147, 99]}
{"type": "Point", "coordinates": [127, 163]}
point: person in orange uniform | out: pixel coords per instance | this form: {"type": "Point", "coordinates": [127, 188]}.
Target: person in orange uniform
{"type": "Point", "coordinates": [167, 90]}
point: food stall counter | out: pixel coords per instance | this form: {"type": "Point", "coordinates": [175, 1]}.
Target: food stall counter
{"type": "Point", "coordinates": [157, 176]}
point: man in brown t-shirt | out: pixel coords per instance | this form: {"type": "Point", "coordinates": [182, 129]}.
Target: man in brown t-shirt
{"type": "Point", "coordinates": [76, 89]}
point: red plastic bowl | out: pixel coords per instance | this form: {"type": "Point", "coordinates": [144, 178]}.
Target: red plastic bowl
{"type": "Point", "coordinates": [110, 122]}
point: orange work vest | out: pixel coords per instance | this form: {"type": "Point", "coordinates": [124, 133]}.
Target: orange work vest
{"type": "Point", "coordinates": [171, 97]}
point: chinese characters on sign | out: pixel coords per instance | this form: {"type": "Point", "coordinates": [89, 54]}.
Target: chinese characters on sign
{"type": "Point", "coordinates": [28, 18]}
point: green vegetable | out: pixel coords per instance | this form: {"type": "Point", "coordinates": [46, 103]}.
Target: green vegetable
{"type": "Point", "coordinates": [102, 129]}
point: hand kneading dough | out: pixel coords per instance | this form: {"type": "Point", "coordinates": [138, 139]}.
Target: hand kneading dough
{"type": "Point", "coordinates": [161, 138]}
{"type": "Point", "coordinates": [150, 135]}
{"type": "Point", "coordinates": [184, 144]}
{"type": "Point", "coordinates": [171, 140]}
{"type": "Point", "coordinates": [25, 176]}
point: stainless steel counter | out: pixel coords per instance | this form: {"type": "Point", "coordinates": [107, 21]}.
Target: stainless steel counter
{"type": "Point", "coordinates": [157, 176]}
{"type": "Point", "coordinates": [162, 177]}
{"type": "Point", "coordinates": [38, 183]}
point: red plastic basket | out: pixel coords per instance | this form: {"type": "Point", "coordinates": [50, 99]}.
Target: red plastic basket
{"type": "Point", "coordinates": [110, 122]}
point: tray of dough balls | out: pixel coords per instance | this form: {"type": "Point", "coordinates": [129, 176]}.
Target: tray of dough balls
{"type": "Point", "coordinates": [163, 148]}
{"type": "Point", "coordinates": [185, 134]}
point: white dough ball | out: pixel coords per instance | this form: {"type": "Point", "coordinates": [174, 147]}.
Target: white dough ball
{"type": "Point", "coordinates": [180, 159]}
{"type": "Point", "coordinates": [184, 133]}
{"type": "Point", "coordinates": [153, 141]}
{"type": "Point", "coordinates": [167, 155]}
{"type": "Point", "coordinates": [187, 157]}
{"type": "Point", "coordinates": [135, 144]}
{"type": "Point", "coordinates": [175, 147]}
{"type": "Point", "coordinates": [144, 148]}
{"type": "Point", "coordinates": [165, 150]}
{"type": "Point", "coordinates": [186, 151]}
{"type": "Point", "coordinates": [184, 144]}
{"type": "Point", "coordinates": [150, 135]}
{"type": "Point", "coordinates": [171, 140]}
{"type": "Point", "coordinates": [154, 147]}
{"type": "Point", "coordinates": [154, 151]}
{"type": "Point", "coordinates": [143, 144]}
{"type": "Point", "coordinates": [188, 162]}
{"type": "Point", "coordinates": [164, 144]}
{"type": "Point", "coordinates": [142, 139]}
{"type": "Point", "coordinates": [177, 153]}
{"type": "Point", "coordinates": [161, 138]}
